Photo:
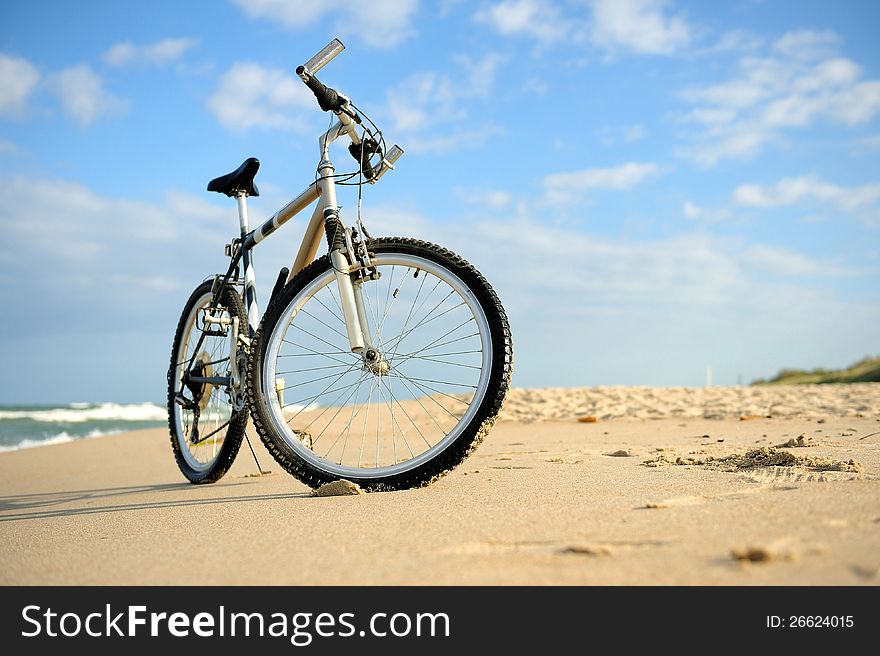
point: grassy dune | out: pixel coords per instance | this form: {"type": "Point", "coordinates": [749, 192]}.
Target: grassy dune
{"type": "Point", "coordinates": [866, 370]}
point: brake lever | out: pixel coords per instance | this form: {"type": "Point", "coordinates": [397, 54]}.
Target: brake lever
{"type": "Point", "coordinates": [348, 110]}
{"type": "Point", "coordinates": [362, 152]}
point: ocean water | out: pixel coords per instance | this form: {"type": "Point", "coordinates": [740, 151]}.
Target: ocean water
{"type": "Point", "coordinates": [24, 426]}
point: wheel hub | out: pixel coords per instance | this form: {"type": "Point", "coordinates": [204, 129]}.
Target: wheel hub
{"type": "Point", "coordinates": [201, 392]}
{"type": "Point", "coordinates": [375, 363]}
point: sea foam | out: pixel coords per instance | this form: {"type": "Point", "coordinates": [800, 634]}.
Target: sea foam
{"type": "Point", "coordinates": [76, 413]}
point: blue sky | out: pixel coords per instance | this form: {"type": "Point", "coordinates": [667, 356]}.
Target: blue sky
{"type": "Point", "coordinates": [653, 188]}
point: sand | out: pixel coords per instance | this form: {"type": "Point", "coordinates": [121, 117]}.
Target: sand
{"type": "Point", "coordinates": [547, 499]}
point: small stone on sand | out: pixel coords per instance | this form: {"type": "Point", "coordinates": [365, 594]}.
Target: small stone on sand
{"type": "Point", "coordinates": [761, 555]}
{"type": "Point", "coordinates": [620, 453]}
{"type": "Point", "coordinates": [752, 555]}
{"type": "Point", "coordinates": [338, 488]}
{"type": "Point", "coordinates": [588, 550]}
{"type": "Point", "coordinates": [801, 440]}
{"type": "Point", "coordinates": [589, 419]}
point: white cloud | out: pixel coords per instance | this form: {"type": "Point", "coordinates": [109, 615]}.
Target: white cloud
{"type": "Point", "coordinates": [782, 262]}
{"type": "Point", "coordinates": [622, 177]}
{"type": "Point", "coordinates": [641, 26]}
{"type": "Point", "coordinates": [733, 41]}
{"type": "Point", "coordinates": [871, 142]}
{"type": "Point", "coordinates": [495, 199]}
{"type": "Point", "coordinates": [807, 44]}
{"type": "Point", "coordinates": [8, 147]}
{"type": "Point", "coordinates": [791, 191]}
{"type": "Point", "coordinates": [432, 99]}
{"type": "Point", "coordinates": [704, 215]}
{"type": "Point", "coordinates": [64, 231]}
{"type": "Point", "coordinates": [450, 141]}
{"type": "Point", "coordinates": [378, 23]}
{"type": "Point", "coordinates": [640, 307]}
{"type": "Point", "coordinates": [82, 95]}
{"type": "Point", "coordinates": [18, 77]}
{"type": "Point", "coordinates": [692, 211]}
{"type": "Point", "coordinates": [633, 133]}
{"type": "Point", "coordinates": [801, 82]}
{"type": "Point", "coordinates": [637, 26]}
{"type": "Point", "coordinates": [539, 19]}
{"type": "Point", "coordinates": [249, 95]}
{"type": "Point", "coordinates": [160, 52]}
{"type": "Point", "coordinates": [635, 306]}
{"type": "Point", "coordinates": [627, 134]}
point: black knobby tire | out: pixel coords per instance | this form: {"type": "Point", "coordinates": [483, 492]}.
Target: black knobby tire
{"type": "Point", "coordinates": [220, 464]}
{"type": "Point", "coordinates": [455, 452]}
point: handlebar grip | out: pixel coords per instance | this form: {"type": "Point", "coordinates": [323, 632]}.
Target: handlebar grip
{"type": "Point", "coordinates": [328, 99]}
{"type": "Point", "coordinates": [393, 154]}
{"type": "Point", "coordinates": [324, 56]}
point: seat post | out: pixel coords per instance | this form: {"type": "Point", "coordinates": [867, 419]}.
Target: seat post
{"type": "Point", "coordinates": [250, 282]}
{"type": "Point", "coordinates": [241, 197]}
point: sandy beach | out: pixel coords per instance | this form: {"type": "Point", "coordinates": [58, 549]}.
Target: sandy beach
{"type": "Point", "coordinates": [614, 485]}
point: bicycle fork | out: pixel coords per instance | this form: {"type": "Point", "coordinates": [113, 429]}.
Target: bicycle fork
{"type": "Point", "coordinates": [345, 264]}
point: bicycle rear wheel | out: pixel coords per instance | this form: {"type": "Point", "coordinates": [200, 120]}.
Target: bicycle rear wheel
{"type": "Point", "coordinates": [409, 408]}
{"type": "Point", "coordinates": [206, 421]}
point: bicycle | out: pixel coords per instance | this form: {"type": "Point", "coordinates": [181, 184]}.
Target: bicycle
{"type": "Point", "coordinates": [384, 362]}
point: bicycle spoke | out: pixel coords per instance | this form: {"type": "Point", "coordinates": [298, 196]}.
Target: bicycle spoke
{"type": "Point", "coordinates": [402, 336]}
{"type": "Point", "coordinates": [338, 317]}
{"type": "Point", "coordinates": [452, 341]}
{"type": "Point", "coordinates": [307, 313]}
{"type": "Point", "coordinates": [426, 395]}
{"type": "Point", "coordinates": [355, 414]}
{"type": "Point", "coordinates": [366, 419]}
{"type": "Point", "coordinates": [439, 382]}
{"type": "Point", "coordinates": [394, 423]}
{"type": "Point", "coordinates": [335, 300]}
{"type": "Point", "coordinates": [339, 409]}
{"type": "Point", "coordinates": [378, 415]}
{"type": "Point", "coordinates": [424, 409]}
{"type": "Point", "coordinates": [319, 394]}
{"type": "Point", "coordinates": [299, 371]}
{"type": "Point", "coordinates": [355, 410]}
{"type": "Point", "coordinates": [461, 325]}
{"type": "Point", "coordinates": [331, 405]}
{"type": "Point", "coordinates": [455, 364]}
{"type": "Point", "coordinates": [320, 339]}
{"type": "Point", "coordinates": [414, 425]}
{"type": "Point", "coordinates": [312, 352]}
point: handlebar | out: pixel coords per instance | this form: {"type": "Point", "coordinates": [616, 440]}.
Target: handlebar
{"type": "Point", "coordinates": [331, 100]}
{"type": "Point", "coordinates": [324, 56]}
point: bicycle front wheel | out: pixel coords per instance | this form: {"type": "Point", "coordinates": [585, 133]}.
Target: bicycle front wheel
{"type": "Point", "coordinates": [415, 403]}
{"type": "Point", "coordinates": [206, 420]}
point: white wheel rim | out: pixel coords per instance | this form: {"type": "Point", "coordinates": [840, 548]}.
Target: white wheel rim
{"type": "Point", "coordinates": [413, 386]}
{"type": "Point", "coordinates": [200, 457]}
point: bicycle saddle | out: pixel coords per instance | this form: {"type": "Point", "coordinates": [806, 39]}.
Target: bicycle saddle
{"type": "Point", "coordinates": [241, 179]}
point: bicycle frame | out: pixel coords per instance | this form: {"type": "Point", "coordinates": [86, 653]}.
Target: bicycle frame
{"type": "Point", "coordinates": [326, 210]}
{"type": "Point", "coordinates": [325, 220]}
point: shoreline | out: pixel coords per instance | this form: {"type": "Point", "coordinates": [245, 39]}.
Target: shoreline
{"type": "Point", "coordinates": [540, 502]}
{"type": "Point", "coordinates": [617, 402]}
